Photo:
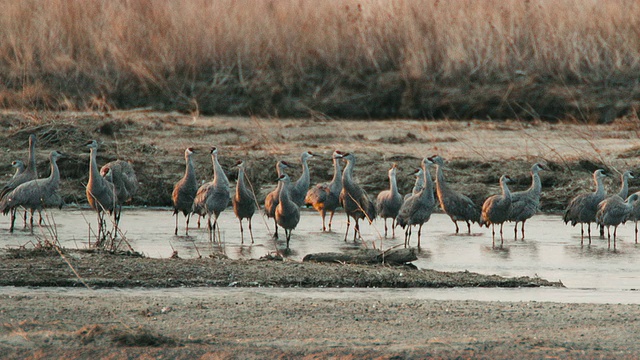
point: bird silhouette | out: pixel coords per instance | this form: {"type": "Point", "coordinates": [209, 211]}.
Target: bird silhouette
{"type": "Point", "coordinates": [582, 208]}
{"type": "Point", "coordinates": [244, 201]}
{"type": "Point", "coordinates": [272, 199]}
{"type": "Point", "coordinates": [389, 201]}
{"type": "Point", "coordinates": [496, 209]}
{"type": "Point", "coordinates": [354, 199]}
{"type": "Point", "coordinates": [287, 211]}
{"type": "Point", "coordinates": [213, 197]}
{"type": "Point", "coordinates": [614, 211]}
{"type": "Point", "coordinates": [525, 204]}
{"type": "Point", "coordinates": [184, 191]}
{"type": "Point", "coordinates": [326, 197]}
{"type": "Point", "coordinates": [417, 209]}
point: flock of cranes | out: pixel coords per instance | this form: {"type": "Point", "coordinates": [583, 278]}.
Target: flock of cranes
{"type": "Point", "coordinates": [115, 183]}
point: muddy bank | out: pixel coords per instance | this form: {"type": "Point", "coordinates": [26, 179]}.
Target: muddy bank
{"type": "Point", "coordinates": [92, 268]}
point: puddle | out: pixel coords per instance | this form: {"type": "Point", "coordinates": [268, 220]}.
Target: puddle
{"type": "Point", "coordinates": [551, 250]}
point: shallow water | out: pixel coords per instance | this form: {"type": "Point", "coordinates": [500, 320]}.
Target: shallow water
{"type": "Point", "coordinates": [551, 249]}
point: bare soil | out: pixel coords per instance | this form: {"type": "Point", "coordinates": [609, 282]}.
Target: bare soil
{"type": "Point", "coordinates": [249, 324]}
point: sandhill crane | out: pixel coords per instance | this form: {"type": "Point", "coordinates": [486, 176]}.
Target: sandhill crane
{"type": "Point", "coordinates": [213, 197]}
{"type": "Point", "coordinates": [418, 185]}
{"type": "Point", "coordinates": [184, 191]}
{"type": "Point", "coordinates": [458, 206]}
{"type": "Point", "coordinates": [354, 199]}
{"type": "Point", "coordinates": [496, 209]}
{"type": "Point", "coordinates": [34, 194]}
{"type": "Point", "coordinates": [272, 199]}
{"type": "Point", "coordinates": [525, 204]}
{"type": "Point", "coordinates": [244, 201]}
{"type": "Point", "coordinates": [124, 182]}
{"type": "Point", "coordinates": [417, 209]}
{"type": "Point", "coordinates": [613, 211]}
{"type": "Point", "coordinates": [389, 201]}
{"type": "Point", "coordinates": [326, 197]}
{"type": "Point", "coordinates": [301, 186]}
{"type": "Point", "coordinates": [100, 192]}
{"type": "Point", "coordinates": [30, 172]}
{"type": "Point", "coordinates": [582, 208]}
{"type": "Point", "coordinates": [623, 193]}
{"type": "Point", "coordinates": [635, 216]}
{"type": "Point", "coordinates": [287, 212]}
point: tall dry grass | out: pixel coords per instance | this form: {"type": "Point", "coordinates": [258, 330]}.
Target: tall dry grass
{"type": "Point", "coordinates": [292, 57]}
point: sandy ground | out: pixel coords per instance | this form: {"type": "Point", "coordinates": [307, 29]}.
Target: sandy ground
{"type": "Point", "coordinates": [125, 324]}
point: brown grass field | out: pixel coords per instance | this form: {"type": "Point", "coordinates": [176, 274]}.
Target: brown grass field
{"type": "Point", "coordinates": [345, 59]}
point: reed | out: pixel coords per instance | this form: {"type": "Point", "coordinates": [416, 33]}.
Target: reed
{"type": "Point", "coordinates": [342, 57]}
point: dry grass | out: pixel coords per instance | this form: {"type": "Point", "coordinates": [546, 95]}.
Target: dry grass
{"type": "Point", "coordinates": [343, 57]}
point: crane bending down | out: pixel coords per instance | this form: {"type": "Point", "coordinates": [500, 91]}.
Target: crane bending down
{"type": "Point", "coordinates": [389, 201]}
{"type": "Point", "coordinates": [326, 197]}
{"type": "Point", "coordinates": [273, 198]}
{"type": "Point", "coordinates": [525, 204]}
{"type": "Point", "coordinates": [614, 211]}
{"type": "Point", "coordinates": [213, 197]}
{"type": "Point", "coordinates": [582, 208]}
{"type": "Point", "coordinates": [496, 209]}
{"type": "Point", "coordinates": [354, 199]}
{"type": "Point", "coordinates": [244, 201]}
{"type": "Point", "coordinates": [458, 206]}
{"type": "Point", "coordinates": [417, 209]}
{"type": "Point", "coordinates": [35, 194]}
{"type": "Point", "coordinates": [185, 191]}
{"type": "Point", "coordinates": [287, 211]}
{"type": "Point", "coordinates": [301, 186]}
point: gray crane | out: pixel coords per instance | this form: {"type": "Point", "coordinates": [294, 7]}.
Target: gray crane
{"type": "Point", "coordinates": [30, 172]}
{"type": "Point", "coordinates": [635, 216]}
{"type": "Point", "coordinates": [623, 193]}
{"type": "Point", "coordinates": [213, 197]}
{"type": "Point", "coordinates": [389, 201]}
{"type": "Point", "coordinates": [459, 207]}
{"type": "Point", "coordinates": [418, 185]}
{"type": "Point", "coordinates": [496, 209]}
{"type": "Point", "coordinates": [185, 191]}
{"type": "Point", "coordinates": [326, 197]}
{"type": "Point", "coordinates": [100, 192]}
{"type": "Point", "coordinates": [301, 186]}
{"type": "Point", "coordinates": [244, 201]}
{"type": "Point", "coordinates": [124, 182]}
{"type": "Point", "coordinates": [582, 208]}
{"type": "Point", "coordinates": [35, 194]}
{"type": "Point", "coordinates": [272, 199]}
{"type": "Point", "coordinates": [417, 209]}
{"type": "Point", "coordinates": [287, 211]}
{"type": "Point", "coordinates": [614, 211]}
{"type": "Point", "coordinates": [525, 204]}
{"type": "Point", "coordinates": [354, 199]}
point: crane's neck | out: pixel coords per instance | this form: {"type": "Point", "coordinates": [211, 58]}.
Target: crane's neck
{"type": "Point", "coordinates": [31, 163]}
{"type": "Point", "coordinates": [505, 190]}
{"type": "Point", "coordinates": [393, 183]}
{"type": "Point", "coordinates": [240, 186]}
{"type": "Point", "coordinates": [93, 166]}
{"type": "Point", "coordinates": [305, 178]}
{"type": "Point", "coordinates": [536, 184]}
{"type": "Point", "coordinates": [347, 174]}
{"type": "Point", "coordinates": [190, 171]}
{"type": "Point", "coordinates": [599, 185]}
{"type": "Point", "coordinates": [283, 196]}
{"type": "Point", "coordinates": [55, 172]}
{"type": "Point", "coordinates": [624, 188]}
{"type": "Point", "coordinates": [440, 182]}
{"type": "Point", "coordinates": [419, 184]}
{"type": "Point", "coordinates": [336, 183]}
{"type": "Point", "coordinates": [219, 176]}
{"type": "Point", "coordinates": [428, 181]}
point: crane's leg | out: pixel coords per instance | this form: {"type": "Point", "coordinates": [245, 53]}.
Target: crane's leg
{"type": "Point", "coordinates": [13, 219]}
{"type": "Point", "coordinates": [199, 217]}
{"type": "Point", "coordinates": [419, 234]}
{"type": "Point", "coordinates": [241, 233]}
{"type": "Point", "coordinates": [216, 226]}
{"type": "Point", "coordinates": [456, 224]}
{"type": "Point", "coordinates": [608, 232]}
{"type": "Point", "coordinates": [275, 233]}
{"type": "Point", "coordinates": [601, 231]}
{"type": "Point", "coordinates": [385, 227]}
{"type": "Point", "coordinates": [493, 235]}
{"type": "Point", "coordinates": [288, 234]}
{"type": "Point", "coordinates": [186, 233]}
{"type": "Point", "coordinates": [347, 232]}
{"type": "Point", "coordinates": [393, 228]}
{"type": "Point", "coordinates": [636, 232]}
{"type": "Point", "coordinates": [331, 219]}
{"type": "Point", "coordinates": [589, 232]}
{"type": "Point", "coordinates": [615, 230]}
{"type": "Point", "coordinates": [24, 220]}
{"type": "Point", "coordinates": [175, 232]}
{"type": "Point", "coordinates": [515, 231]}
{"type": "Point", "coordinates": [523, 221]}
{"type": "Point", "coordinates": [323, 214]}
{"type": "Point", "coordinates": [356, 231]}
{"type": "Point", "coordinates": [501, 238]}
{"type": "Point", "coordinates": [31, 223]}
{"type": "Point", "coordinates": [581, 234]}
{"type": "Point", "coordinates": [250, 231]}
{"type": "Point", "coordinates": [468, 227]}
{"type": "Point", "coordinates": [210, 226]}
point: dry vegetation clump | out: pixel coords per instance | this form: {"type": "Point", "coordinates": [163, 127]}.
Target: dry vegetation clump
{"type": "Point", "coordinates": [345, 58]}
